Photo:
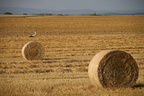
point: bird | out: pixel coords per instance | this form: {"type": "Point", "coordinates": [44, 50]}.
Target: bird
{"type": "Point", "coordinates": [33, 35]}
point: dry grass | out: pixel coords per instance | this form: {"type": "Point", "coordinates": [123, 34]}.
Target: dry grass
{"type": "Point", "coordinates": [57, 84]}
{"type": "Point", "coordinates": [70, 42]}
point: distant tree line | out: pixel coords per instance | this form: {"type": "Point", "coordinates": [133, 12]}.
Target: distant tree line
{"type": "Point", "coordinates": [8, 13]}
{"type": "Point", "coordinates": [48, 14]}
{"type": "Point", "coordinates": [93, 14]}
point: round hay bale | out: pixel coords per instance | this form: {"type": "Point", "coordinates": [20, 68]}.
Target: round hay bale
{"type": "Point", "coordinates": [113, 69]}
{"type": "Point", "coordinates": [33, 51]}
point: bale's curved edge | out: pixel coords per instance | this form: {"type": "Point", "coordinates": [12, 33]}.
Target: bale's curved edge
{"type": "Point", "coordinates": [112, 69]}
{"type": "Point", "coordinates": [33, 51]}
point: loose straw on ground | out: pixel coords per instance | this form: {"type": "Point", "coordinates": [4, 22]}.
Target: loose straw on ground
{"type": "Point", "coordinates": [33, 51]}
{"type": "Point", "coordinates": [113, 69]}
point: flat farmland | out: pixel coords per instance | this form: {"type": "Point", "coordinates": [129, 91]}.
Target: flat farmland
{"type": "Point", "coordinates": [70, 42]}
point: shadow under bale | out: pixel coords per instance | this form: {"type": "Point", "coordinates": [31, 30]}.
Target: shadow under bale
{"type": "Point", "coordinates": [138, 86]}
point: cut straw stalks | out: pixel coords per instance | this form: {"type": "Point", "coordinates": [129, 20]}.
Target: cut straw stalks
{"type": "Point", "coordinates": [113, 69]}
{"type": "Point", "coordinates": [33, 51]}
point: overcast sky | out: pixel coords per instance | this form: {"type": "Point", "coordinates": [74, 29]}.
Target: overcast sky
{"type": "Point", "coordinates": [76, 4]}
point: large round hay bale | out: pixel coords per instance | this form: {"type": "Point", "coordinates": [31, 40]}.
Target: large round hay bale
{"type": "Point", "coordinates": [33, 51]}
{"type": "Point", "coordinates": [113, 69]}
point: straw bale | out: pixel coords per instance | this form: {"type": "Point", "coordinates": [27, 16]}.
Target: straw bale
{"type": "Point", "coordinates": [33, 51]}
{"type": "Point", "coordinates": [113, 69]}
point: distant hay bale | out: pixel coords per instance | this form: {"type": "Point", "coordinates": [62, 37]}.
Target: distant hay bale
{"type": "Point", "coordinates": [33, 51]}
{"type": "Point", "coordinates": [113, 69]}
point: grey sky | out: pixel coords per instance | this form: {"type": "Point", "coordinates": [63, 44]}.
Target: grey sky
{"type": "Point", "coordinates": [76, 4]}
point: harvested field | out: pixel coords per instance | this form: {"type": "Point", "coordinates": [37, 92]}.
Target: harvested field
{"type": "Point", "coordinates": [70, 42]}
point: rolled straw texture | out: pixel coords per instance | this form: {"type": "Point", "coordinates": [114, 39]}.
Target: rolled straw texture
{"type": "Point", "coordinates": [33, 51]}
{"type": "Point", "coordinates": [113, 69]}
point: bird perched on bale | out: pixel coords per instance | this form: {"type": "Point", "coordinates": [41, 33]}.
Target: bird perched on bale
{"type": "Point", "coordinates": [33, 35]}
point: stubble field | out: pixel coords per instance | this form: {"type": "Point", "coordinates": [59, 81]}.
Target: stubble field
{"type": "Point", "coordinates": [70, 42]}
